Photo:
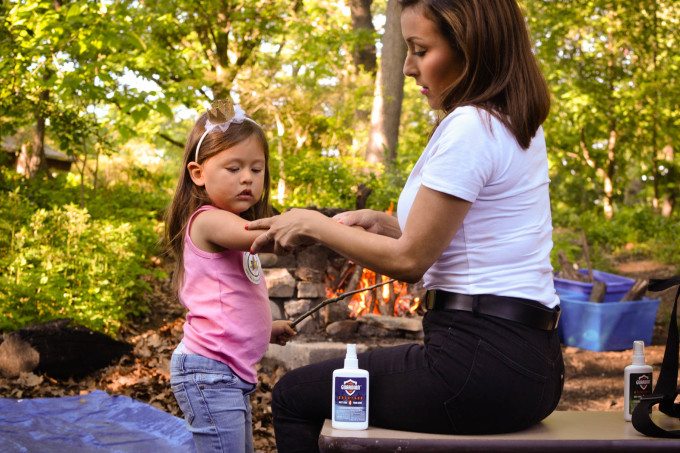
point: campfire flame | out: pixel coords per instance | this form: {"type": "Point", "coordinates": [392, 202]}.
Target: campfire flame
{"type": "Point", "coordinates": [392, 299]}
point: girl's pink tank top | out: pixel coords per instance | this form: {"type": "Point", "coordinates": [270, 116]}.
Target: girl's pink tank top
{"type": "Point", "coordinates": [229, 318]}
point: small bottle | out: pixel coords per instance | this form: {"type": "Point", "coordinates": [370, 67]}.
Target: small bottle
{"type": "Point", "coordinates": [637, 380]}
{"type": "Point", "coordinates": [350, 394]}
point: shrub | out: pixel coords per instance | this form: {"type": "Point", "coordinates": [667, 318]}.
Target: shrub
{"type": "Point", "coordinates": [88, 263]}
{"type": "Point", "coordinates": [64, 264]}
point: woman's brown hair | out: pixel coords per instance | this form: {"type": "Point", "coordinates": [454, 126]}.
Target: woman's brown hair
{"type": "Point", "coordinates": [500, 73]}
{"type": "Point", "coordinates": [189, 197]}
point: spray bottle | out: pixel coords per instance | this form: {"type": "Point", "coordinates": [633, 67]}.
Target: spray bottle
{"type": "Point", "coordinates": [637, 380]}
{"type": "Point", "coordinates": [350, 394]}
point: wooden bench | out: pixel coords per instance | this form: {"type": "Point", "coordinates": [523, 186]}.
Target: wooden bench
{"type": "Point", "coordinates": [562, 431]}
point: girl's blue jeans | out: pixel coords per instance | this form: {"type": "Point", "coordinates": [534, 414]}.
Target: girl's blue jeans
{"type": "Point", "coordinates": [215, 403]}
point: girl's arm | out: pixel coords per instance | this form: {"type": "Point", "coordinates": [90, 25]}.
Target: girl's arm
{"type": "Point", "coordinates": [216, 230]}
{"type": "Point", "coordinates": [431, 225]}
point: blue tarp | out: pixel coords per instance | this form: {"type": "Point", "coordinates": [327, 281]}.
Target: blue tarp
{"type": "Point", "coordinates": [97, 422]}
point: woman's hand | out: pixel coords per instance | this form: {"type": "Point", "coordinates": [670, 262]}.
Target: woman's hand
{"type": "Point", "coordinates": [371, 221]}
{"type": "Point", "coordinates": [286, 231]}
{"type": "Point", "coordinates": [282, 332]}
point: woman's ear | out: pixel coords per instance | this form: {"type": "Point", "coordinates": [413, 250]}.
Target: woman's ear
{"type": "Point", "coordinates": [196, 173]}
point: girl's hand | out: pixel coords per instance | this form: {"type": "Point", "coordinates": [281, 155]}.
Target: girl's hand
{"type": "Point", "coordinates": [282, 332]}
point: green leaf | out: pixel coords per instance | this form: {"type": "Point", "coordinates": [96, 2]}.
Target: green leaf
{"type": "Point", "coordinates": [165, 109]}
{"type": "Point", "coordinates": [136, 41]}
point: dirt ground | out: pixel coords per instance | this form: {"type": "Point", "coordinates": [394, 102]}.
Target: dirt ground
{"type": "Point", "coordinates": [593, 380]}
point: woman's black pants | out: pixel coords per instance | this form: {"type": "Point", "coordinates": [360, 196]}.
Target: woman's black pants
{"type": "Point", "coordinates": [473, 375]}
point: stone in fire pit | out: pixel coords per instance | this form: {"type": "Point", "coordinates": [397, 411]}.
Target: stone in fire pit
{"type": "Point", "coordinates": [305, 278]}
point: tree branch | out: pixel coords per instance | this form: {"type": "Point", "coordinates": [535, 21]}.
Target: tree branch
{"type": "Point", "coordinates": [171, 140]}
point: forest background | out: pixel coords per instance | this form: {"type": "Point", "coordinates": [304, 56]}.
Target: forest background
{"type": "Point", "coordinates": [107, 91]}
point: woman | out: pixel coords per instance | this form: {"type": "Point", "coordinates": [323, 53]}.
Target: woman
{"type": "Point", "coordinates": [473, 221]}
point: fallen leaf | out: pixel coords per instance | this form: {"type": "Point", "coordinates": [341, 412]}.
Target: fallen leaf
{"type": "Point", "coordinates": [29, 379]}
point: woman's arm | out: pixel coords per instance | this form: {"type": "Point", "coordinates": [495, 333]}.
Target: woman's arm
{"type": "Point", "coordinates": [432, 222]}
{"type": "Point", "coordinates": [372, 221]}
{"type": "Point", "coordinates": [216, 230]}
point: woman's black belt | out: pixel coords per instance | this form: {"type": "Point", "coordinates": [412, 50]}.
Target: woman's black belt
{"type": "Point", "coordinates": [524, 311]}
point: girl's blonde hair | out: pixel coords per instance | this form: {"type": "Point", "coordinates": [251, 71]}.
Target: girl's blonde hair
{"type": "Point", "coordinates": [189, 197]}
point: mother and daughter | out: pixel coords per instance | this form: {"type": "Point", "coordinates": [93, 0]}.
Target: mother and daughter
{"type": "Point", "coordinates": [473, 222]}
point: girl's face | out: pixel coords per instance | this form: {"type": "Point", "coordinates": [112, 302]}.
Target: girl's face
{"type": "Point", "coordinates": [430, 60]}
{"type": "Point", "coordinates": [233, 178]}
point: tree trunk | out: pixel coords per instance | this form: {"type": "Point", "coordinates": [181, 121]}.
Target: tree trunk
{"type": "Point", "coordinates": [38, 161]}
{"type": "Point", "coordinates": [31, 159]}
{"type": "Point", "coordinates": [605, 172]}
{"type": "Point", "coordinates": [666, 201]}
{"type": "Point", "coordinates": [669, 197]}
{"type": "Point", "coordinates": [610, 171]}
{"type": "Point", "coordinates": [389, 92]}
{"type": "Point", "coordinates": [362, 22]}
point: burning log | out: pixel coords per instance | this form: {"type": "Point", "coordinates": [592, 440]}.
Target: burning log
{"type": "Point", "coordinates": [345, 272]}
{"type": "Point", "coordinates": [385, 297]}
{"type": "Point", "coordinates": [356, 277]}
{"type": "Point", "coordinates": [340, 311]}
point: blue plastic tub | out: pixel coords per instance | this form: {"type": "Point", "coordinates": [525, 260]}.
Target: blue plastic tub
{"type": "Point", "coordinates": [605, 326]}
{"type": "Point", "coordinates": [617, 286]}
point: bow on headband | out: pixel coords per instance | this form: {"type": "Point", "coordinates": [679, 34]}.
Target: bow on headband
{"type": "Point", "coordinates": [221, 115]}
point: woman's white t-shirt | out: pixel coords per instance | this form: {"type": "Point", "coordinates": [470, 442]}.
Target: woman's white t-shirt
{"type": "Point", "coordinates": [503, 246]}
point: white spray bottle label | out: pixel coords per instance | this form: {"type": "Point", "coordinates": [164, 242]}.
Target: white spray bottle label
{"type": "Point", "coordinates": [350, 399]}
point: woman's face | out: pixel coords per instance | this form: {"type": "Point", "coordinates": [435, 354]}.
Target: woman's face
{"type": "Point", "coordinates": [430, 60]}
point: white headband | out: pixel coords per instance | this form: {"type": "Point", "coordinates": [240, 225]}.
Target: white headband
{"type": "Point", "coordinates": [238, 118]}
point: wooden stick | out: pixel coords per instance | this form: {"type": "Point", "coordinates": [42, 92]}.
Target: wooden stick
{"type": "Point", "coordinates": [636, 292]}
{"type": "Point", "coordinates": [586, 255]}
{"type": "Point", "coordinates": [334, 299]}
{"type": "Point", "coordinates": [598, 292]}
{"type": "Point", "coordinates": [567, 268]}
{"type": "Point", "coordinates": [345, 272]}
{"type": "Point", "coordinates": [353, 281]}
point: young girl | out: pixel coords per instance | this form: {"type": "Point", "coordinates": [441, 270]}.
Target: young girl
{"type": "Point", "coordinates": [223, 183]}
{"type": "Point", "coordinates": [473, 221]}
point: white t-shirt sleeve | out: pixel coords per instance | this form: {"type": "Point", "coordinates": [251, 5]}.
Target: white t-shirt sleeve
{"type": "Point", "coordinates": [463, 161]}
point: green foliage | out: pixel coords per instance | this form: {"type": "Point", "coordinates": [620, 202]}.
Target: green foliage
{"type": "Point", "coordinates": [325, 182]}
{"type": "Point", "coordinates": [59, 260]}
{"type": "Point", "coordinates": [633, 233]}
{"type": "Point", "coordinates": [610, 66]}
